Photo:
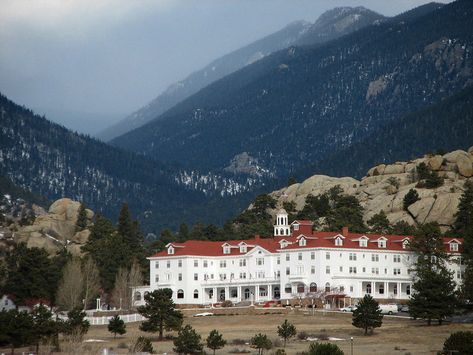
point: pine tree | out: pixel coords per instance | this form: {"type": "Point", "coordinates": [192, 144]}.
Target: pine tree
{"type": "Point", "coordinates": [76, 325]}
{"type": "Point", "coordinates": [411, 197]}
{"type": "Point", "coordinates": [367, 315]}
{"type": "Point", "coordinates": [286, 331]}
{"type": "Point", "coordinates": [460, 343]}
{"type": "Point", "coordinates": [434, 289]}
{"type": "Point", "coordinates": [81, 222]}
{"type": "Point", "coordinates": [261, 342]}
{"type": "Point", "coordinates": [16, 329]}
{"type": "Point", "coordinates": [44, 326]}
{"type": "Point", "coordinates": [379, 223]}
{"type": "Point", "coordinates": [116, 325]}
{"type": "Point", "coordinates": [464, 217]}
{"type": "Point", "coordinates": [324, 349]}
{"type": "Point", "coordinates": [188, 341]}
{"type": "Point", "coordinates": [160, 312]}
{"type": "Point", "coordinates": [215, 341]}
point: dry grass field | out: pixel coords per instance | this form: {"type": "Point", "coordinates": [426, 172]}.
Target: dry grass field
{"type": "Point", "coordinates": [398, 336]}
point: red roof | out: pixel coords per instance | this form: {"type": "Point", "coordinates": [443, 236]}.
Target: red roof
{"type": "Point", "coordinates": [271, 244]}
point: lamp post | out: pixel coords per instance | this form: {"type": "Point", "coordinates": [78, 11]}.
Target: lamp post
{"type": "Point", "coordinates": [351, 345]}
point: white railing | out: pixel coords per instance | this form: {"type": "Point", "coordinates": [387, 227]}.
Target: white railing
{"type": "Point", "coordinates": [104, 320]}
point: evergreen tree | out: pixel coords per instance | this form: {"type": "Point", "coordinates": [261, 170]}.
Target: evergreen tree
{"type": "Point", "coordinates": [459, 343]}
{"type": "Point", "coordinates": [434, 288]}
{"type": "Point", "coordinates": [286, 331]}
{"type": "Point", "coordinates": [411, 197]}
{"type": "Point", "coordinates": [81, 222]}
{"type": "Point", "coordinates": [188, 341]}
{"type": "Point", "coordinates": [116, 325]}
{"type": "Point", "coordinates": [346, 212]}
{"type": "Point", "coordinates": [261, 342]}
{"type": "Point", "coordinates": [324, 349]}
{"type": "Point", "coordinates": [160, 312]}
{"type": "Point", "coordinates": [315, 207]}
{"type": "Point", "coordinates": [434, 295]}
{"type": "Point", "coordinates": [367, 315]}
{"type": "Point", "coordinates": [183, 233]}
{"type": "Point", "coordinates": [16, 329]}
{"type": "Point", "coordinates": [463, 225]}
{"type": "Point", "coordinates": [142, 344]}
{"type": "Point", "coordinates": [379, 223]}
{"type": "Point", "coordinates": [76, 325]}
{"type": "Point", "coordinates": [45, 328]}
{"type": "Point", "coordinates": [215, 341]}
{"type": "Point", "coordinates": [101, 229]}
{"type": "Point", "coordinates": [403, 228]}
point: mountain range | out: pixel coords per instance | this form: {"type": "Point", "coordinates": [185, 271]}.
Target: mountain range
{"type": "Point", "coordinates": [396, 88]}
{"type": "Point", "coordinates": [330, 25]}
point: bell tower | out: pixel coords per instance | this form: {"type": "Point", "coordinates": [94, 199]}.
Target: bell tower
{"type": "Point", "coordinates": [281, 228]}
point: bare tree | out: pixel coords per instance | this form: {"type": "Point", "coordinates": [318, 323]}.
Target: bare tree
{"type": "Point", "coordinates": [121, 291]}
{"type": "Point", "coordinates": [91, 280]}
{"type": "Point", "coordinates": [135, 279]}
{"type": "Point", "coordinates": [69, 293]}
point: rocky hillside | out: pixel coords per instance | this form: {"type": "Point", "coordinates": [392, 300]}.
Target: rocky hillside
{"type": "Point", "coordinates": [384, 188]}
{"type": "Point", "coordinates": [52, 231]}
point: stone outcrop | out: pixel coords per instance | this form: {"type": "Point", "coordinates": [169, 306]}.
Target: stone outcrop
{"type": "Point", "coordinates": [385, 185]}
{"type": "Point", "coordinates": [56, 230]}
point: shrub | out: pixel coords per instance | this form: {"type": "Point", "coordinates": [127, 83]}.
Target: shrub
{"type": "Point", "coordinates": [142, 344]}
{"type": "Point", "coordinates": [411, 197]}
{"type": "Point", "coordinates": [324, 349]}
{"type": "Point", "coordinates": [393, 182]}
{"type": "Point", "coordinates": [302, 335]}
{"type": "Point", "coordinates": [239, 342]}
{"type": "Point", "coordinates": [280, 352]}
{"type": "Point", "coordinates": [227, 303]}
{"type": "Point", "coordinates": [459, 342]}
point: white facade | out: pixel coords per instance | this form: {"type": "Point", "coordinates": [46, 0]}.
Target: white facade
{"type": "Point", "coordinates": [303, 264]}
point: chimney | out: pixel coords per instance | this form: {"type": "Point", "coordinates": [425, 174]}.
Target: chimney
{"type": "Point", "coordinates": [345, 231]}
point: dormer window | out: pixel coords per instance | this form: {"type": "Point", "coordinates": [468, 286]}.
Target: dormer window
{"type": "Point", "coordinates": [405, 244]}
{"type": "Point", "coordinates": [302, 242]}
{"type": "Point", "coordinates": [243, 248]}
{"type": "Point", "coordinates": [381, 243]}
{"type": "Point", "coordinates": [226, 249]}
{"type": "Point", "coordinates": [453, 246]}
{"type": "Point", "coordinates": [296, 226]}
{"type": "Point", "coordinates": [171, 250]}
{"type": "Point", "coordinates": [338, 242]}
{"type": "Point", "coordinates": [283, 244]}
{"type": "Point", "coordinates": [363, 242]}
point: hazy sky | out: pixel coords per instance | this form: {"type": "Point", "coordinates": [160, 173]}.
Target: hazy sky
{"type": "Point", "coordinates": [111, 57]}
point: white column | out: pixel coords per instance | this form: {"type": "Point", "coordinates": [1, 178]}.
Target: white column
{"type": "Point", "coordinates": [398, 290]}
{"type": "Point", "coordinates": [270, 292]}
{"type": "Point", "coordinates": [215, 297]}
{"type": "Point", "coordinates": [257, 293]}
{"type": "Point", "coordinates": [227, 293]}
{"type": "Point", "coordinates": [386, 289]}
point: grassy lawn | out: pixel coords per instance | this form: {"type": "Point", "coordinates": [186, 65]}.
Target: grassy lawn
{"type": "Point", "coordinates": [396, 336]}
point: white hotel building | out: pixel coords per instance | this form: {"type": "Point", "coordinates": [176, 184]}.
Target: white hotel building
{"type": "Point", "coordinates": [295, 263]}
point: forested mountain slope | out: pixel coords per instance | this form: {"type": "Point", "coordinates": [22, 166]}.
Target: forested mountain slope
{"type": "Point", "coordinates": [302, 104]}
{"type": "Point", "coordinates": [330, 25]}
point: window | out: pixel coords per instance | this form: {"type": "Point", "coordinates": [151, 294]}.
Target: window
{"type": "Point", "coordinates": [243, 248]}
{"type": "Point", "coordinates": [296, 226]}
{"type": "Point", "coordinates": [352, 256]}
{"type": "Point", "coordinates": [137, 297]}
{"type": "Point", "coordinates": [363, 242]}
{"type": "Point", "coordinates": [156, 265]}
{"type": "Point", "coordinates": [226, 249]}
{"type": "Point", "coordinates": [168, 264]}
{"type": "Point", "coordinates": [313, 287]}
{"type": "Point", "coordinates": [278, 260]}
{"type": "Point", "coordinates": [206, 263]}
{"type": "Point", "coordinates": [263, 292]}
{"type": "Point", "coordinates": [196, 277]}
{"type": "Point", "coordinates": [327, 256]}
{"type": "Point", "coordinates": [368, 288]}
{"type": "Point", "coordinates": [299, 256]}
{"type": "Point", "coordinates": [233, 293]}
{"type": "Point", "coordinates": [288, 270]}
{"type": "Point", "coordinates": [327, 269]}
{"type": "Point", "coordinates": [327, 287]}
{"type": "Point", "coordinates": [397, 258]}
{"type": "Point", "coordinates": [374, 257]}
{"type": "Point", "coordinates": [156, 279]}
{"type": "Point", "coordinates": [196, 263]}
{"type": "Point", "coordinates": [375, 270]}
{"type": "Point", "coordinates": [341, 268]}
{"type": "Point", "coordinates": [259, 261]}
{"type": "Point", "coordinates": [302, 242]}
{"type": "Point", "coordinates": [247, 293]}
{"type": "Point", "coordinates": [179, 263]}
{"type": "Point", "coordinates": [223, 263]}
{"type": "Point", "coordinates": [242, 262]}
{"type": "Point", "coordinates": [278, 274]}
{"type": "Point", "coordinates": [385, 270]}
{"type": "Point", "coordinates": [196, 294]}
{"type": "Point", "coordinates": [381, 243]}
{"type": "Point", "coordinates": [261, 274]}
{"type": "Point", "coordinates": [381, 289]}
{"type": "Point", "coordinates": [168, 277]}
{"type": "Point", "coordinates": [397, 271]}
{"type": "Point", "coordinates": [288, 288]}
{"type": "Point", "coordinates": [364, 269]}
{"type": "Point", "coordinates": [459, 274]}
{"type": "Point", "coordinates": [288, 257]}
{"type": "Point", "coordinates": [405, 244]}
{"type": "Point", "coordinates": [338, 241]}
{"type": "Point", "coordinates": [408, 290]}
{"type": "Point", "coordinates": [300, 288]}
{"type": "Point", "coordinates": [312, 255]}
{"type": "Point", "coordinates": [180, 294]}
{"type": "Point", "coordinates": [170, 250]}
{"type": "Point", "coordinates": [242, 275]}
{"type": "Point", "coordinates": [453, 246]}
{"type": "Point", "coordinates": [351, 288]}
{"type": "Point", "coordinates": [312, 269]}
{"type": "Point", "coordinates": [179, 277]}
{"type": "Point", "coordinates": [352, 269]}
{"type": "Point", "coordinates": [300, 270]}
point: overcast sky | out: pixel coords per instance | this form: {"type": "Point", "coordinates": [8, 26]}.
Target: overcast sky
{"type": "Point", "coordinates": [110, 57]}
